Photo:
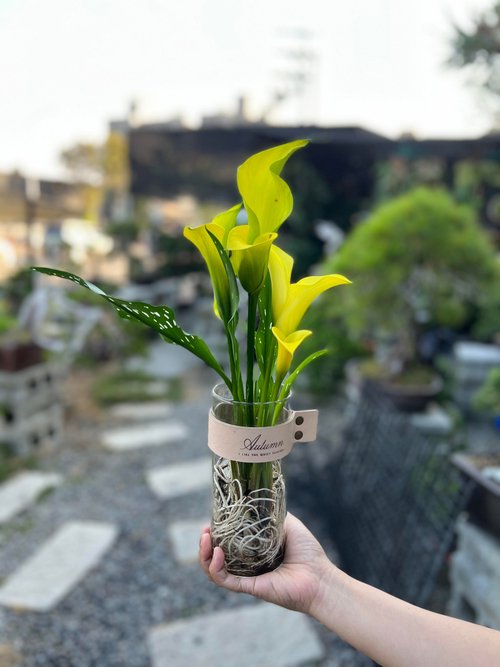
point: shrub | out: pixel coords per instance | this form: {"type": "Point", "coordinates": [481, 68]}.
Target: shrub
{"type": "Point", "coordinates": [418, 261]}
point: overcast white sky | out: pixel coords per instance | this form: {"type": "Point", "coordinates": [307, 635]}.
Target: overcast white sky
{"type": "Point", "coordinates": [67, 67]}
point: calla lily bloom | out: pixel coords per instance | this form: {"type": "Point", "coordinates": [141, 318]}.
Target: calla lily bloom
{"type": "Point", "coordinates": [250, 260]}
{"type": "Point", "coordinates": [267, 198]}
{"type": "Point", "coordinates": [287, 346]}
{"type": "Point", "coordinates": [200, 237]}
{"type": "Point", "coordinates": [280, 269]}
{"type": "Point", "coordinates": [291, 300]}
{"type": "Point", "coordinates": [300, 297]}
{"type": "Point", "coordinates": [226, 221]}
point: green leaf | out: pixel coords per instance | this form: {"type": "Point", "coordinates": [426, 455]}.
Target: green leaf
{"type": "Point", "coordinates": [158, 318]}
{"type": "Point", "coordinates": [264, 339]}
{"type": "Point", "coordinates": [287, 385]}
{"type": "Point", "coordinates": [234, 295]}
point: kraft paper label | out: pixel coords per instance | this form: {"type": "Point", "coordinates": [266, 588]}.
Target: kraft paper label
{"type": "Point", "coordinates": [259, 444]}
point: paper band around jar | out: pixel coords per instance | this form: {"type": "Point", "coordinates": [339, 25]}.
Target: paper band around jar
{"type": "Point", "coordinates": [260, 444]}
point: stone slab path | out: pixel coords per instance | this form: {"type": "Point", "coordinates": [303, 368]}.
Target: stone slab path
{"type": "Point", "coordinates": [18, 493]}
{"type": "Point", "coordinates": [105, 567]}
{"type": "Point", "coordinates": [153, 434]}
{"type": "Point", "coordinates": [257, 635]}
{"type": "Point", "coordinates": [185, 537]}
{"type": "Point", "coordinates": [144, 411]}
{"type": "Point", "coordinates": [57, 566]}
{"type": "Point", "coordinates": [181, 478]}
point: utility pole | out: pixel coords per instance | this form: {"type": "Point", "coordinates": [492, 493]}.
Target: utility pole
{"type": "Point", "coordinates": [296, 75]}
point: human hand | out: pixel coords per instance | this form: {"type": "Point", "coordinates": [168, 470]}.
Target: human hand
{"type": "Point", "coordinates": [294, 584]}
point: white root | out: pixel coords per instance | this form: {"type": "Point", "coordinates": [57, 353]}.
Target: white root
{"type": "Point", "coordinates": [248, 527]}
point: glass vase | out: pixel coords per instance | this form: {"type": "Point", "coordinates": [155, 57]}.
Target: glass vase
{"type": "Point", "coordinates": [248, 500]}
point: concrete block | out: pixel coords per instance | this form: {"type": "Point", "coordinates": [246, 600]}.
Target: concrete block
{"type": "Point", "coordinates": [261, 635]}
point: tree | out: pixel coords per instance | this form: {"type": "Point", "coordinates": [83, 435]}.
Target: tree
{"type": "Point", "coordinates": [102, 170]}
{"type": "Point", "coordinates": [479, 48]}
{"type": "Point", "coordinates": [83, 162]}
{"type": "Point", "coordinates": [418, 261]}
{"type": "Point", "coordinates": [99, 164]}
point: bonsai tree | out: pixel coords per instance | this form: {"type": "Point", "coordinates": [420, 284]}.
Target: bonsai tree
{"type": "Point", "coordinates": [418, 261]}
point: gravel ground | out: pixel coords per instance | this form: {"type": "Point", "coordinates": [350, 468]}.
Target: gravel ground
{"type": "Point", "coordinates": [104, 620]}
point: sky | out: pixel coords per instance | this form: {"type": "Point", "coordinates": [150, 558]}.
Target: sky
{"type": "Point", "coordinates": [69, 66]}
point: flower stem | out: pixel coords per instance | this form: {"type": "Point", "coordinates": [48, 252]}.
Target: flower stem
{"type": "Point", "coordinates": [236, 383]}
{"type": "Point", "coordinates": [252, 316]}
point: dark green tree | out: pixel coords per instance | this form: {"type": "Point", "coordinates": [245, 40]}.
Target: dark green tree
{"type": "Point", "coordinates": [418, 261]}
{"type": "Point", "coordinates": [478, 48]}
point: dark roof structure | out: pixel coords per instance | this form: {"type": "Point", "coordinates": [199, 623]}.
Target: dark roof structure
{"type": "Point", "coordinates": [167, 161]}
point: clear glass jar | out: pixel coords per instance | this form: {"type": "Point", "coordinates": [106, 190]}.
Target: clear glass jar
{"type": "Point", "coordinates": [249, 499]}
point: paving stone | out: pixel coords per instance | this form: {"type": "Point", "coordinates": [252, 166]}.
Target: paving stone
{"type": "Point", "coordinates": [185, 537]}
{"type": "Point", "coordinates": [434, 421]}
{"type": "Point", "coordinates": [138, 436]}
{"type": "Point", "coordinates": [57, 566]}
{"type": "Point", "coordinates": [182, 478]}
{"type": "Point", "coordinates": [22, 490]}
{"type": "Point", "coordinates": [261, 635]}
{"type": "Point", "coordinates": [141, 411]}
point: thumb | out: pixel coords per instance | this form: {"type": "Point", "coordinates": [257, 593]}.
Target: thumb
{"type": "Point", "coordinates": [222, 577]}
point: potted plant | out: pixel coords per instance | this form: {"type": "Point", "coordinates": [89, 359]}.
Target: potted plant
{"type": "Point", "coordinates": [419, 261]}
{"type": "Point", "coordinates": [251, 426]}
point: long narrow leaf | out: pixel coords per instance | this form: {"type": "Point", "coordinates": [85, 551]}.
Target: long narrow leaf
{"type": "Point", "coordinates": [287, 385]}
{"type": "Point", "coordinates": [159, 318]}
{"type": "Point", "coordinates": [264, 339]}
{"type": "Point", "coordinates": [234, 295]}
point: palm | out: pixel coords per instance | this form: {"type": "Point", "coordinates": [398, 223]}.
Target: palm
{"type": "Point", "coordinates": [295, 583]}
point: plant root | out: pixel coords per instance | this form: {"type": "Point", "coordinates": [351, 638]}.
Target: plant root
{"type": "Point", "coordinates": [248, 527]}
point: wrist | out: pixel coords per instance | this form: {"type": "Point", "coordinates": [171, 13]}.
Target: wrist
{"type": "Point", "coordinates": [331, 590]}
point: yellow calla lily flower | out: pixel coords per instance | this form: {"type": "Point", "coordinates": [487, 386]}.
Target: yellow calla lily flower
{"type": "Point", "coordinates": [201, 239]}
{"type": "Point", "coordinates": [289, 311]}
{"type": "Point", "coordinates": [249, 260]}
{"type": "Point", "coordinates": [291, 300]}
{"type": "Point", "coordinates": [226, 221]}
{"type": "Point", "coordinates": [287, 346]}
{"type": "Point", "coordinates": [300, 296]}
{"type": "Point", "coordinates": [267, 198]}
{"type": "Point", "coordinates": [280, 270]}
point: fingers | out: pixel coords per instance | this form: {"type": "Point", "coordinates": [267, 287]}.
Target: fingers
{"type": "Point", "coordinates": [205, 553]}
{"type": "Point", "coordinates": [213, 563]}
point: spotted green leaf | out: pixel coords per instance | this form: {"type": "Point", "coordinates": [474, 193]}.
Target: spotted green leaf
{"type": "Point", "coordinates": [159, 318]}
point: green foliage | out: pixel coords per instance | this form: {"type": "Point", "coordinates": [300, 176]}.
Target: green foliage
{"type": "Point", "coordinates": [487, 322]}
{"type": "Point", "coordinates": [99, 164]}
{"type": "Point", "coordinates": [134, 386]}
{"type": "Point", "coordinates": [7, 322]}
{"type": "Point", "coordinates": [177, 256]}
{"type": "Point", "coordinates": [158, 318]}
{"type": "Point", "coordinates": [124, 232]}
{"type": "Point", "coordinates": [309, 205]}
{"type": "Point", "coordinates": [472, 178]}
{"type": "Point", "coordinates": [479, 47]}
{"type": "Point", "coordinates": [325, 376]}
{"type": "Point", "coordinates": [10, 463]}
{"type": "Point", "coordinates": [419, 260]}
{"type": "Point", "coordinates": [399, 174]}
{"type": "Point", "coordinates": [16, 289]}
{"type": "Point", "coordinates": [487, 398]}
